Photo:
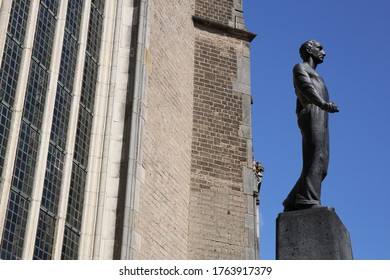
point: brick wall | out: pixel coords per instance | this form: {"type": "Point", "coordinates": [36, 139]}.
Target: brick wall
{"type": "Point", "coordinates": [216, 10]}
{"type": "Point", "coordinates": [164, 198]}
{"type": "Point", "coordinates": [194, 203]}
{"type": "Point", "coordinates": [218, 205]}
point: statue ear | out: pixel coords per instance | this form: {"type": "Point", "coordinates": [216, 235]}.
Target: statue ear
{"type": "Point", "coordinates": [308, 50]}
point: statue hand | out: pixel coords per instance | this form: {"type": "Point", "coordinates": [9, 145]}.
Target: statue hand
{"type": "Point", "coordinates": [331, 107]}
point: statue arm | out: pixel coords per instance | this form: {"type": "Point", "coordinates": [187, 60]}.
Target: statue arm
{"type": "Point", "coordinates": [303, 83]}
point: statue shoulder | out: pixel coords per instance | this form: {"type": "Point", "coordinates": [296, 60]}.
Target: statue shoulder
{"type": "Point", "coordinates": [299, 67]}
{"type": "Point", "coordinates": [303, 70]}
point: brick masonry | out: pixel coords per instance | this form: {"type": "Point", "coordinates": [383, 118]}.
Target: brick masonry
{"type": "Point", "coordinates": [215, 10]}
{"type": "Point", "coordinates": [169, 174]}
{"type": "Point", "coordinates": [164, 197]}
{"type": "Point", "coordinates": [196, 199]}
{"type": "Point", "coordinates": [219, 154]}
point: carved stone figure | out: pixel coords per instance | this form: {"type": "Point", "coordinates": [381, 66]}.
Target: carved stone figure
{"type": "Point", "coordinates": [312, 110]}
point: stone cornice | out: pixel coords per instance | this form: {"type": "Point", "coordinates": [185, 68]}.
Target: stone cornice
{"type": "Point", "coordinates": [217, 27]}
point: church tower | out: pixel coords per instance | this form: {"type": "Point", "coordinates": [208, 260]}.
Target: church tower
{"type": "Point", "coordinates": [126, 130]}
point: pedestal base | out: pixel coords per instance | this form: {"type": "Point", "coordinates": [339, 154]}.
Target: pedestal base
{"type": "Point", "coordinates": [312, 234]}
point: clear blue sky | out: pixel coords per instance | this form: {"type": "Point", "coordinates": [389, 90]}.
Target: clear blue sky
{"type": "Point", "coordinates": [356, 39]}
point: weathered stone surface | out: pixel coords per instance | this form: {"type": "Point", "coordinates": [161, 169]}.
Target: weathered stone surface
{"type": "Point", "coordinates": [312, 234]}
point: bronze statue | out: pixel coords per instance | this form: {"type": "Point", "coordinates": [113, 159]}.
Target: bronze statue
{"type": "Point", "coordinates": [312, 111]}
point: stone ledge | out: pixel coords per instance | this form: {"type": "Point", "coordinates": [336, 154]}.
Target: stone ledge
{"type": "Point", "coordinates": [220, 28]}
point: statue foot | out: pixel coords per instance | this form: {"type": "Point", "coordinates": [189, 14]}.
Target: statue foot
{"type": "Point", "coordinates": [296, 207]}
{"type": "Point", "coordinates": [307, 206]}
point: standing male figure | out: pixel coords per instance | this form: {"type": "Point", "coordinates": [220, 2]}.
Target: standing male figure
{"type": "Point", "coordinates": [312, 111]}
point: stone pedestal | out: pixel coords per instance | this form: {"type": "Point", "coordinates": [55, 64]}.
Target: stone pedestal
{"type": "Point", "coordinates": [312, 234]}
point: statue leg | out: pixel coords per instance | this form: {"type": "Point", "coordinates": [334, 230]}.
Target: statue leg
{"type": "Point", "coordinates": [315, 149]}
{"type": "Point", "coordinates": [289, 202]}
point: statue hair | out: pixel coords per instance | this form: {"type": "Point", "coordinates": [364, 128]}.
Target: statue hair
{"type": "Point", "coordinates": [303, 49]}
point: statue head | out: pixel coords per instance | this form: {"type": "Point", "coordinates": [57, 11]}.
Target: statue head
{"type": "Point", "coordinates": [312, 49]}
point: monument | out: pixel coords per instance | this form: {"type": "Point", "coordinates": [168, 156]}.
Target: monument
{"type": "Point", "coordinates": [307, 230]}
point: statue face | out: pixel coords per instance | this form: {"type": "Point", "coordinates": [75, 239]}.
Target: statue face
{"type": "Point", "coordinates": [317, 52]}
